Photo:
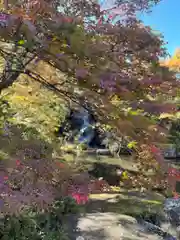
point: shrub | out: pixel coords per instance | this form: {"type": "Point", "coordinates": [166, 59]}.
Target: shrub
{"type": "Point", "coordinates": [35, 199]}
{"type": "Point", "coordinates": [37, 183]}
{"type": "Point", "coordinates": [46, 225]}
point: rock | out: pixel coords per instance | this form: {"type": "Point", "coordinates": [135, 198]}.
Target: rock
{"type": "Point", "coordinates": [98, 226]}
{"type": "Point", "coordinates": [174, 216]}
{"type": "Point", "coordinates": [172, 209]}
{"type": "Point", "coordinates": [171, 203]}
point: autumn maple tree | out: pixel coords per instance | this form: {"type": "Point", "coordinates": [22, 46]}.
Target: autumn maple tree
{"type": "Point", "coordinates": [108, 54]}
{"type": "Point", "coordinates": [106, 60]}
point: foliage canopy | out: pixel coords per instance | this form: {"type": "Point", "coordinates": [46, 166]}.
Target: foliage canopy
{"type": "Point", "coordinates": [108, 58]}
{"type": "Point", "coordinates": [106, 54]}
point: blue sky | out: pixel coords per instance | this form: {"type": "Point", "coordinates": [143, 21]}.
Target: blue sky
{"type": "Point", "coordinates": [165, 18]}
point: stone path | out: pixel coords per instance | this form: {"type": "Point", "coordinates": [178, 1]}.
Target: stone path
{"type": "Point", "coordinates": [99, 223]}
{"type": "Point", "coordinates": [106, 226]}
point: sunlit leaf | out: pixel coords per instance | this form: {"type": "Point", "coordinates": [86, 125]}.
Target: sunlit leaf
{"type": "Point", "coordinates": [132, 144]}
{"type": "Point", "coordinates": [21, 42]}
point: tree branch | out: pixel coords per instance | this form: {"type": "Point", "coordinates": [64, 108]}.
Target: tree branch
{"type": "Point", "coordinates": [48, 85]}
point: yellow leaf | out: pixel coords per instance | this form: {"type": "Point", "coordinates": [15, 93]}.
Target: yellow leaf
{"type": "Point", "coordinates": [54, 38]}
{"type": "Point", "coordinates": [151, 201]}
{"type": "Point", "coordinates": [166, 115]}
{"type": "Point", "coordinates": [132, 144]}
{"type": "Point", "coordinates": [125, 175]}
{"type": "Point", "coordinates": [20, 98]}
{"type": "Point", "coordinates": [134, 113]}
{"type": "Point", "coordinates": [21, 42]}
{"type": "Point", "coordinates": [64, 45]}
